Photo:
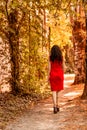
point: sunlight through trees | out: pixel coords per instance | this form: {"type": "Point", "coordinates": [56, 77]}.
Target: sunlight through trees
{"type": "Point", "coordinates": [29, 29]}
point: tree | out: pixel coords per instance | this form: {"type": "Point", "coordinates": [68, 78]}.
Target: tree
{"type": "Point", "coordinates": [78, 39]}
{"type": "Point", "coordinates": [10, 28]}
{"type": "Point", "coordinates": [13, 38]}
{"type": "Point", "coordinates": [13, 29]}
{"type": "Point", "coordinates": [84, 95]}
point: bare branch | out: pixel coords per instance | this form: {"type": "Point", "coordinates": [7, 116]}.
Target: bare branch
{"type": "Point", "coordinates": [68, 4]}
{"type": "Point", "coordinates": [6, 6]}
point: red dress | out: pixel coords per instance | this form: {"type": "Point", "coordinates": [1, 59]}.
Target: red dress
{"type": "Point", "coordinates": [56, 76]}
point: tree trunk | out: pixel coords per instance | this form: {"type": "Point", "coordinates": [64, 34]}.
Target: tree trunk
{"type": "Point", "coordinates": [79, 44]}
{"type": "Point", "coordinates": [29, 22]}
{"type": "Point", "coordinates": [44, 30]}
{"type": "Point", "coordinates": [84, 95]}
{"type": "Point", "coordinates": [79, 52]}
{"type": "Point", "coordinates": [14, 51]}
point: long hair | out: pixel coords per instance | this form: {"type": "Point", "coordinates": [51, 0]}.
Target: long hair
{"type": "Point", "coordinates": [56, 54]}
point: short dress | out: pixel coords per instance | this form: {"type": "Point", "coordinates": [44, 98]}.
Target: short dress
{"type": "Point", "coordinates": [56, 76]}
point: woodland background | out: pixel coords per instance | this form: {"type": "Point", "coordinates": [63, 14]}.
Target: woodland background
{"type": "Point", "coordinates": [28, 29]}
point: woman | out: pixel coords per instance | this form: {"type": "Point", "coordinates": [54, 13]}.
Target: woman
{"type": "Point", "coordinates": [56, 75]}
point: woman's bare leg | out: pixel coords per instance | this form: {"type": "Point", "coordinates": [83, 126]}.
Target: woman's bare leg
{"type": "Point", "coordinates": [57, 105]}
{"type": "Point", "coordinates": [57, 98]}
{"type": "Point", "coordinates": [54, 98]}
{"type": "Point", "coordinates": [55, 101]}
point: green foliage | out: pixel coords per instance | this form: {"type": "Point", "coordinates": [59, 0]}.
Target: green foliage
{"type": "Point", "coordinates": [33, 79]}
{"type": "Point", "coordinates": [34, 17]}
{"type": "Point", "coordinates": [60, 29]}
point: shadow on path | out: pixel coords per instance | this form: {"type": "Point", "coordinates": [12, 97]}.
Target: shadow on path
{"type": "Point", "coordinates": [72, 115]}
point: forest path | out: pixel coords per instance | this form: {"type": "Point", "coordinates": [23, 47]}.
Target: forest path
{"type": "Point", "coordinates": [72, 115]}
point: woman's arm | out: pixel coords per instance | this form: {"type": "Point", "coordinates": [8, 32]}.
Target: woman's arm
{"type": "Point", "coordinates": [49, 68]}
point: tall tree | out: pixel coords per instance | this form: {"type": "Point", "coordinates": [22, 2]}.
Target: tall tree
{"type": "Point", "coordinates": [13, 29]}
{"type": "Point", "coordinates": [84, 95]}
{"type": "Point", "coordinates": [12, 18]}
{"type": "Point", "coordinates": [13, 37]}
{"type": "Point", "coordinates": [78, 32]}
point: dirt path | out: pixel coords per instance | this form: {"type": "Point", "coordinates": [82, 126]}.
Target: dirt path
{"type": "Point", "coordinates": [72, 115]}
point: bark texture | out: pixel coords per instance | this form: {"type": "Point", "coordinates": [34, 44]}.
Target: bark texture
{"type": "Point", "coordinates": [14, 50]}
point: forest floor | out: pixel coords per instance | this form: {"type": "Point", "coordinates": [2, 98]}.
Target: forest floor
{"type": "Point", "coordinates": [72, 114]}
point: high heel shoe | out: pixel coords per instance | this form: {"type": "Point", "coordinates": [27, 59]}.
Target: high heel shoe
{"type": "Point", "coordinates": [55, 110]}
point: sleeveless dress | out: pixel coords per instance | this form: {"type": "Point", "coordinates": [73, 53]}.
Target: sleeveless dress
{"type": "Point", "coordinates": [56, 76]}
